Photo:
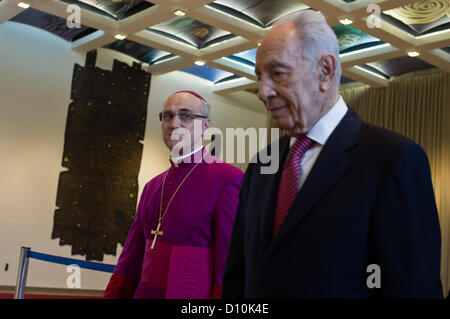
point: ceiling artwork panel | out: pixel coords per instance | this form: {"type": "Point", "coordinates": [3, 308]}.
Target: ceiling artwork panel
{"type": "Point", "coordinates": [211, 74]}
{"type": "Point", "coordinates": [191, 32]}
{"type": "Point", "coordinates": [116, 9]}
{"type": "Point", "coordinates": [349, 5]}
{"type": "Point", "coordinates": [247, 57]}
{"type": "Point", "coordinates": [345, 80]}
{"type": "Point", "coordinates": [352, 39]}
{"type": "Point", "coordinates": [52, 24]}
{"type": "Point", "coordinates": [421, 17]}
{"type": "Point", "coordinates": [398, 66]}
{"type": "Point", "coordinates": [139, 51]}
{"type": "Point", "coordinates": [260, 12]}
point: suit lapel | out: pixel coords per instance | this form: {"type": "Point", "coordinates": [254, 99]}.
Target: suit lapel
{"type": "Point", "coordinates": [328, 168]}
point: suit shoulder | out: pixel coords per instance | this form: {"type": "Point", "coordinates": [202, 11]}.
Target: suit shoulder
{"type": "Point", "coordinates": [383, 140]}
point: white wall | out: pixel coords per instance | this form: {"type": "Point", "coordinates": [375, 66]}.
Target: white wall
{"type": "Point", "coordinates": [35, 78]}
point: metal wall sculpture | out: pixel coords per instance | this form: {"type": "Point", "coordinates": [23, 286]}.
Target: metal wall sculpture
{"type": "Point", "coordinates": [97, 195]}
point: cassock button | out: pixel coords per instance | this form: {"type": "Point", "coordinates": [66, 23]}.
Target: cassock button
{"type": "Point", "coordinates": [170, 182]}
{"type": "Point", "coordinates": [166, 196]}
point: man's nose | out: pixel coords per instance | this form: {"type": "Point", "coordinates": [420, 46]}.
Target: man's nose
{"type": "Point", "coordinates": [175, 122]}
{"type": "Point", "coordinates": [265, 89]}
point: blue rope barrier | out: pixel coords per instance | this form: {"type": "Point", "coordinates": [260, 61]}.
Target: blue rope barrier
{"type": "Point", "coordinates": [70, 261]}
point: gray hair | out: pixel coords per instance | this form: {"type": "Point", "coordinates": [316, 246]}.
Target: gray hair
{"type": "Point", "coordinates": [316, 36]}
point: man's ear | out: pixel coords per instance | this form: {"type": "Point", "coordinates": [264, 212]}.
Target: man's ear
{"type": "Point", "coordinates": [327, 65]}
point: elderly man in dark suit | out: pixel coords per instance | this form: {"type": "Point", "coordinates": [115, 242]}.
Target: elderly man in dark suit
{"type": "Point", "coordinates": [351, 211]}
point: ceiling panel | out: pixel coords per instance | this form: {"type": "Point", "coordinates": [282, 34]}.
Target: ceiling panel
{"type": "Point", "coordinates": [53, 24]}
{"type": "Point", "coordinates": [421, 17]}
{"type": "Point", "coordinates": [345, 80]}
{"type": "Point", "coordinates": [139, 51]}
{"type": "Point", "coordinates": [248, 57]}
{"type": "Point", "coordinates": [349, 5]}
{"type": "Point", "coordinates": [260, 12]}
{"type": "Point", "coordinates": [192, 32]}
{"type": "Point", "coordinates": [399, 66]}
{"type": "Point", "coordinates": [224, 33]}
{"type": "Point", "coordinates": [351, 39]}
{"type": "Point", "coordinates": [116, 9]}
{"type": "Point", "coordinates": [211, 74]}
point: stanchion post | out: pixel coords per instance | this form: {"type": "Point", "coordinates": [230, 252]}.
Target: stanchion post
{"type": "Point", "coordinates": [22, 273]}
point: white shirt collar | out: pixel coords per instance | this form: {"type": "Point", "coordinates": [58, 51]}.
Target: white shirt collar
{"type": "Point", "coordinates": [323, 128]}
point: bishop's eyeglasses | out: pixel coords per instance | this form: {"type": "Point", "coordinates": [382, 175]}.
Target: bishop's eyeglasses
{"type": "Point", "coordinates": [183, 115]}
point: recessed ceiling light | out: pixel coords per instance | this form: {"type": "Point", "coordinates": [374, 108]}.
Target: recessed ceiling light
{"type": "Point", "coordinates": [413, 54]}
{"type": "Point", "coordinates": [23, 5]}
{"type": "Point", "coordinates": [179, 13]}
{"type": "Point", "coordinates": [346, 21]}
{"type": "Point", "coordinates": [120, 36]}
{"type": "Point", "coordinates": [199, 62]}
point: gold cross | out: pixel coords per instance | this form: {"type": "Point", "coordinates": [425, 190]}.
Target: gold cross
{"type": "Point", "coordinates": [157, 233]}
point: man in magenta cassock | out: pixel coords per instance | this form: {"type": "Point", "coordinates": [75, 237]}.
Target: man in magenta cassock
{"type": "Point", "coordinates": [178, 243]}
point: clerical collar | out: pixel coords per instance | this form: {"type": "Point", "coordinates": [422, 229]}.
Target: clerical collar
{"type": "Point", "coordinates": [179, 159]}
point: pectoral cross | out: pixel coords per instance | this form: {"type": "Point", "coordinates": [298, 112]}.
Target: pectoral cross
{"type": "Point", "coordinates": [157, 233]}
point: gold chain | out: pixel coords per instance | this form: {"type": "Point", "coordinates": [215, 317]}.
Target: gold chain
{"type": "Point", "coordinates": [157, 232]}
{"type": "Point", "coordinates": [170, 201]}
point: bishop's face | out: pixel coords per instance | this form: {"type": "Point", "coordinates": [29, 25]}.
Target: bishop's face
{"type": "Point", "coordinates": [183, 102]}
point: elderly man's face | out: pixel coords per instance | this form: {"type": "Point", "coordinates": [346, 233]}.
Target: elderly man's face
{"type": "Point", "coordinates": [180, 102]}
{"type": "Point", "coordinates": [288, 86]}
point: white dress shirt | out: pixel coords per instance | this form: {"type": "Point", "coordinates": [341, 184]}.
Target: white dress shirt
{"type": "Point", "coordinates": [320, 133]}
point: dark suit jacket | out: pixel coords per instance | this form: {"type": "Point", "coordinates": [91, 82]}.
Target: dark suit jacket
{"type": "Point", "coordinates": [367, 200]}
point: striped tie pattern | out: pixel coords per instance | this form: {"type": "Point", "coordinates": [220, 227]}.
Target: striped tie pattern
{"type": "Point", "coordinates": [289, 180]}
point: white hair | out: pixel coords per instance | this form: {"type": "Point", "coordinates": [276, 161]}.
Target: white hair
{"type": "Point", "coordinates": [317, 37]}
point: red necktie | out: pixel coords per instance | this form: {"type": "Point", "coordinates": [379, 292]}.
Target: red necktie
{"type": "Point", "coordinates": [289, 180]}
